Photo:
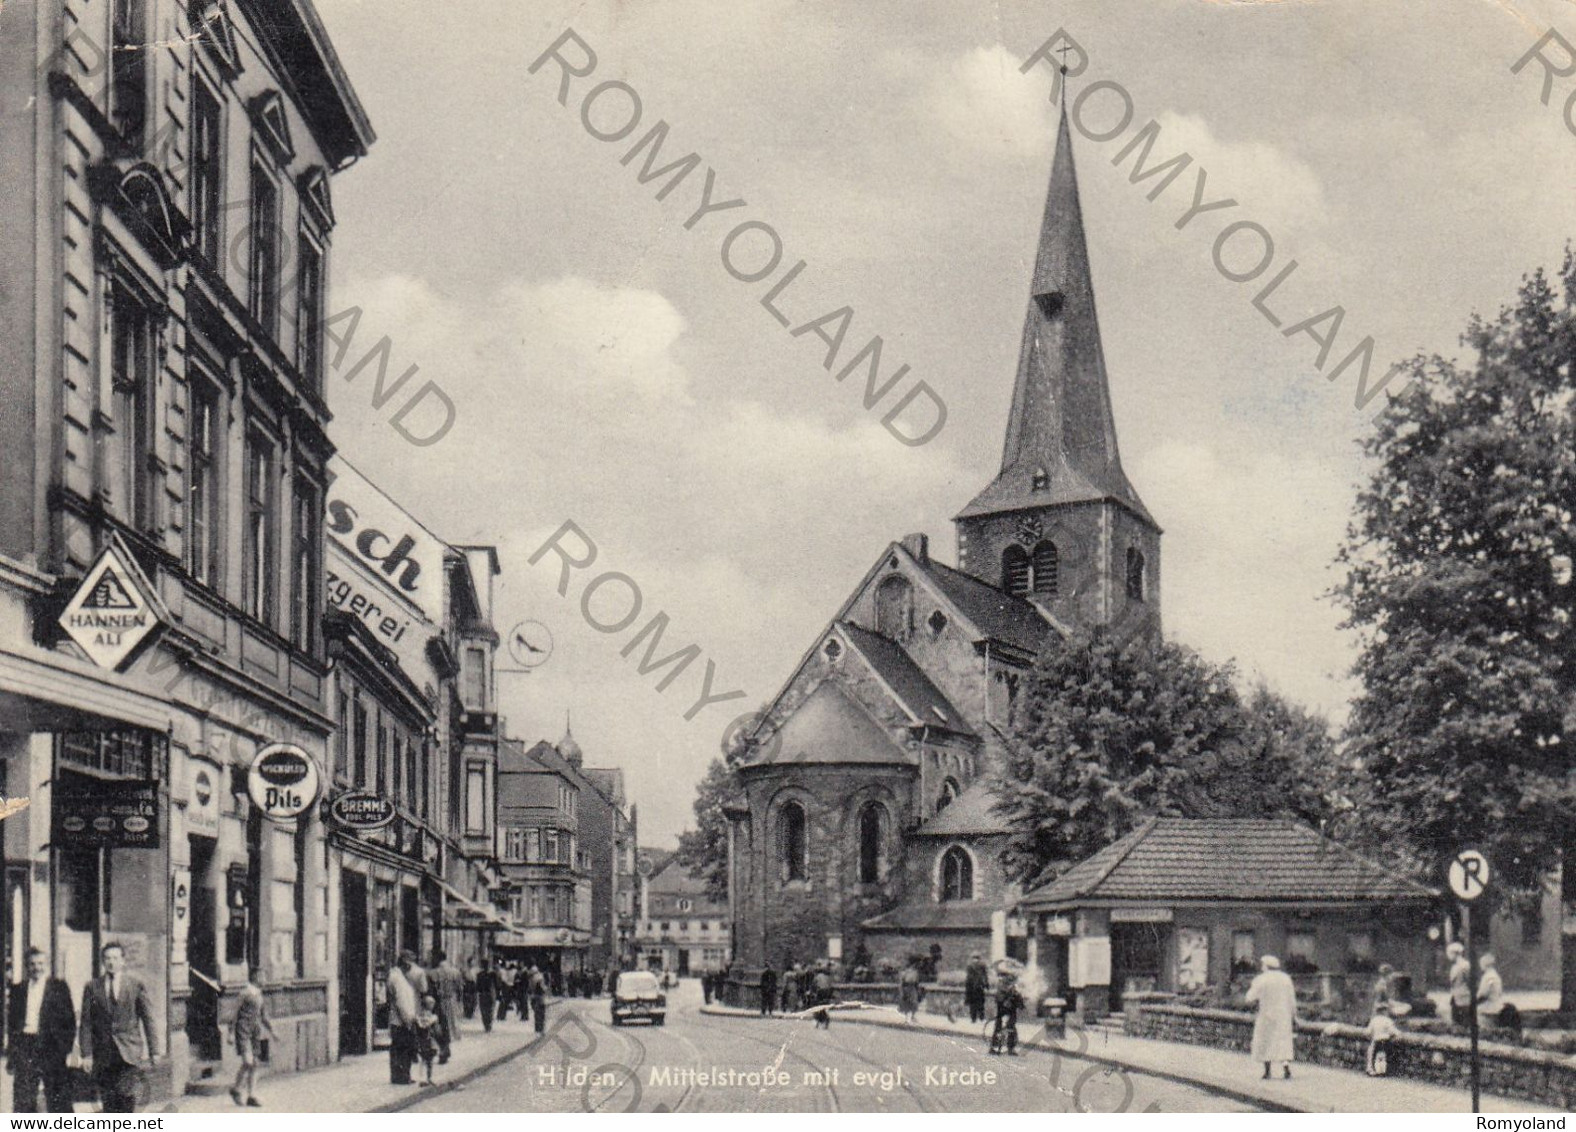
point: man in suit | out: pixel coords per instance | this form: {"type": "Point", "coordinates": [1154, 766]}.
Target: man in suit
{"type": "Point", "coordinates": [41, 1028]}
{"type": "Point", "coordinates": [117, 1015]}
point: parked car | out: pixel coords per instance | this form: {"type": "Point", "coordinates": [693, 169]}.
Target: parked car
{"type": "Point", "coordinates": [638, 994]}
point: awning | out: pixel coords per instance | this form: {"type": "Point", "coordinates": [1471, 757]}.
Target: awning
{"type": "Point", "coordinates": [487, 919]}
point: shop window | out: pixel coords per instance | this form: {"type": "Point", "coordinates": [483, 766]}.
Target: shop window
{"type": "Point", "coordinates": [1300, 951]}
{"type": "Point", "coordinates": [1244, 953]}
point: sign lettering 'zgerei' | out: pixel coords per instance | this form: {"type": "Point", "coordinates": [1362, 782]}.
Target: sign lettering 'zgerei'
{"type": "Point", "coordinates": [283, 781]}
{"type": "Point", "coordinates": [359, 809]}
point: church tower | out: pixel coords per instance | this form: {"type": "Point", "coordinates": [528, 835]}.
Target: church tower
{"type": "Point", "coordinates": [1060, 524]}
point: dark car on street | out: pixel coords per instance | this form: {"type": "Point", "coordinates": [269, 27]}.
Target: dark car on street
{"type": "Point", "coordinates": [638, 994]}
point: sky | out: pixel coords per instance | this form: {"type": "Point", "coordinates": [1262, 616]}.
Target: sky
{"type": "Point", "coordinates": [607, 370]}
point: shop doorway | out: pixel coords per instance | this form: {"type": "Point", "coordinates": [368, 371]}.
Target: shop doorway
{"type": "Point", "coordinates": [353, 963]}
{"type": "Point", "coordinates": [202, 956]}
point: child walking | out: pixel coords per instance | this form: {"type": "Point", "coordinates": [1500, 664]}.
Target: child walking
{"type": "Point", "coordinates": [427, 1034]}
{"type": "Point", "coordinates": [1381, 1032]}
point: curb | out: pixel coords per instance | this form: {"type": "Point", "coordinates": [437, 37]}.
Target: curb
{"type": "Point", "coordinates": [1239, 1095]}
{"type": "Point", "coordinates": [411, 1100]}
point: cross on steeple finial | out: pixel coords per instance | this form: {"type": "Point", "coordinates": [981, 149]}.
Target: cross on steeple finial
{"type": "Point", "coordinates": [1064, 49]}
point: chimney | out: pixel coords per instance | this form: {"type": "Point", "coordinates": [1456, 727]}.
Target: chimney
{"type": "Point", "coordinates": [918, 546]}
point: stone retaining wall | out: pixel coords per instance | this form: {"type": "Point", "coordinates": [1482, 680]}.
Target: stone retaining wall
{"type": "Point", "coordinates": [1508, 1071]}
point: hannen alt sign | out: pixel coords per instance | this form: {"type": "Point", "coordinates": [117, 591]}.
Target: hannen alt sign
{"type": "Point", "coordinates": [113, 609]}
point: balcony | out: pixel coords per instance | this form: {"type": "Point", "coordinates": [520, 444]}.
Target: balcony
{"type": "Point", "coordinates": [469, 722]}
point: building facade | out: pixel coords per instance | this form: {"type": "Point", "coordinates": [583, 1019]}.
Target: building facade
{"type": "Point", "coordinates": [863, 828]}
{"type": "Point", "coordinates": [409, 632]}
{"type": "Point", "coordinates": [682, 929]}
{"type": "Point", "coordinates": [165, 228]}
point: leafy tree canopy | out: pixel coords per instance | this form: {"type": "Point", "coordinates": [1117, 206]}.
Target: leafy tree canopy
{"type": "Point", "coordinates": [1108, 733]}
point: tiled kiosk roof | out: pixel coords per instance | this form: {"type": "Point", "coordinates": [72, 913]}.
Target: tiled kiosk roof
{"type": "Point", "coordinates": [1235, 859]}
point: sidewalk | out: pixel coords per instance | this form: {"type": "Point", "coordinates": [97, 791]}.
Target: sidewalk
{"type": "Point", "coordinates": [1313, 1088]}
{"type": "Point", "coordinates": [361, 1084]}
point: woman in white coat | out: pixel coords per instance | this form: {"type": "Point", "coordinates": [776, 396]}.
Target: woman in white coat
{"type": "Point", "coordinates": [1276, 1022]}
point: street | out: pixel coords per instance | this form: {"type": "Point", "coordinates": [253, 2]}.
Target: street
{"type": "Point", "coordinates": [710, 1063]}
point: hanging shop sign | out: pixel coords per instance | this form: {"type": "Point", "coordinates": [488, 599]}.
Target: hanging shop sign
{"type": "Point", "coordinates": [113, 609]}
{"type": "Point", "coordinates": [283, 781]}
{"type": "Point", "coordinates": [202, 805]}
{"type": "Point", "coordinates": [105, 812]}
{"type": "Point", "coordinates": [361, 809]}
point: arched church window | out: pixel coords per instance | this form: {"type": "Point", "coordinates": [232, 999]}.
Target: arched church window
{"type": "Point", "coordinates": [949, 794]}
{"type": "Point", "coordinates": [894, 607]}
{"type": "Point", "coordinates": [1136, 582]}
{"type": "Point", "coordinates": [1015, 570]}
{"type": "Point", "coordinates": [1047, 563]}
{"type": "Point", "coordinates": [957, 874]}
{"type": "Point", "coordinates": [792, 844]}
{"type": "Point", "coordinates": [872, 843]}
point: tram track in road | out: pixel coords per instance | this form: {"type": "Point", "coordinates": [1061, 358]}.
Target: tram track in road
{"type": "Point", "coordinates": [924, 1100]}
{"type": "Point", "coordinates": [783, 1051]}
{"type": "Point", "coordinates": [634, 1066]}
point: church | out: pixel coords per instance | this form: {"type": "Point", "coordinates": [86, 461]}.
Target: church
{"type": "Point", "coordinates": [863, 824]}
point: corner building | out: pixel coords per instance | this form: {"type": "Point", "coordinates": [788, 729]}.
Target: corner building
{"type": "Point", "coordinates": [166, 219]}
{"type": "Point", "coordinates": [863, 829]}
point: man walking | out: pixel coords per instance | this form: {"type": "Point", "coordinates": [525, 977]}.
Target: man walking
{"type": "Point", "coordinates": [486, 993]}
{"type": "Point", "coordinates": [768, 990]}
{"type": "Point", "coordinates": [976, 980]}
{"type": "Point", "coordinates": [1275, 1025]}
{"type": "Point", "coordinates": [506, 978]}
{"type": "Point", "coordinates": [118, 1033]}
{"type": "Point", "coordinates": [40, 1031]}
{"type": "Point", "coordinates": [536, 987]}
{"type": "Point", "coordinates": [403, 1008]}
{"type": "Point", "coordinates": [447, 986]}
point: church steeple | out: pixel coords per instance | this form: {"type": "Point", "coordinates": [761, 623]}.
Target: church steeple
{"type": "Point", "coordinates": [1060, 523]}
{"type": "Point", "coordinates": [1061, 436]}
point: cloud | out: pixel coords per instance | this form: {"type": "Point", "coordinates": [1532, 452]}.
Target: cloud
{"type": "Point", "coordinates": [982, 99]}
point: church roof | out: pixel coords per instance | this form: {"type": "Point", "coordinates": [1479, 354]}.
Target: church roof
{"type": "Point", "coordinates": [1061, 425]}
{"type": "Point", "coordinates": [913, 689]}
{"type": "Point", "coordinates": [922, 915]}
{"type": "Point", "coordinates": [971, 812]}
{"type": "Point", "coordinates": [999, 615]}
{"type": "Point", "coordinates": [1270, 860]}
{"type": "Point", "coordinates": [831, 727]}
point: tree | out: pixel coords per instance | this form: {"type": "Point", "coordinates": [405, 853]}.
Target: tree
{"type": "Point", "coordinates": [704, 849]}
{"type": "Point", "coordinates": [1458, 578]}
{"type": "Point", "coordinates": [1107, 734]}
